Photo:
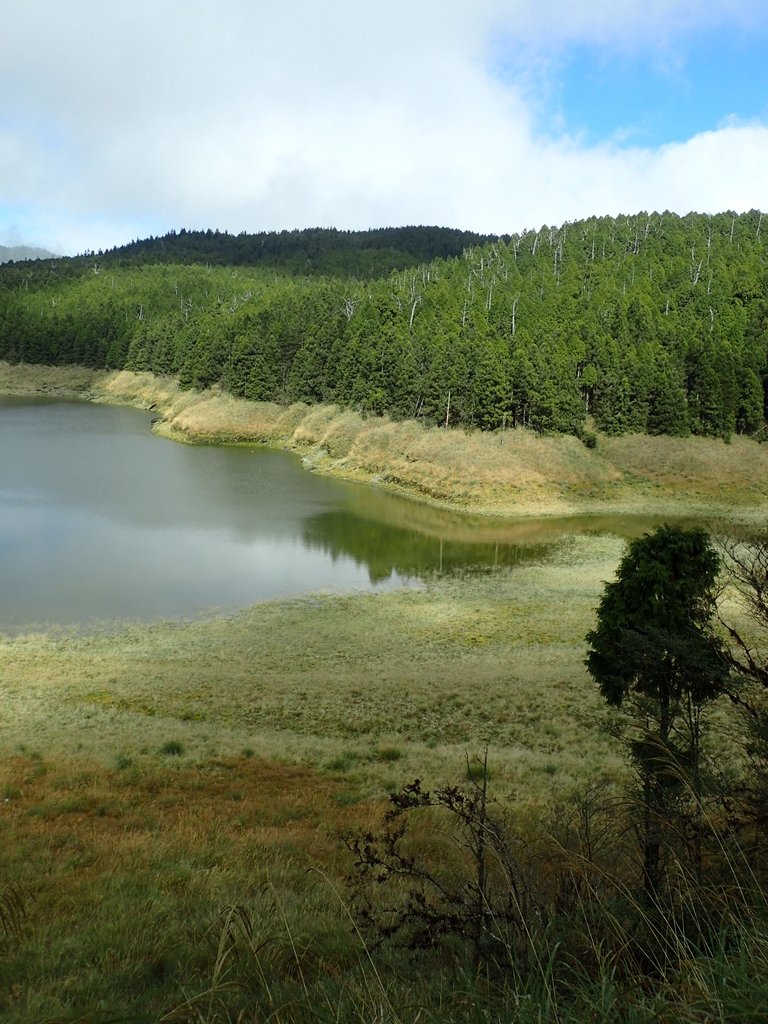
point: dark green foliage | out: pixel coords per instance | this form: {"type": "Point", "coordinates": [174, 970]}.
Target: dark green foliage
{"type": "Point", "coordinates": [652, 636]}
{"type": "Point", "coordinates": [307, 252]}
{"type": "Point", "coordinates": [653, 323]}
{"type": "Point", "coordinates": [173, 748]}
{"type": "Point", "coordinates": [654, 653]}
{"type": "Point", "coordinates": [750, 416]}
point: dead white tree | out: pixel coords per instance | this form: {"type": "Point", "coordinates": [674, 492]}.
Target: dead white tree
{"type": "Point", "coordinates": [695, 268]}
{"type": "Point", "coordinates": [416, 302]}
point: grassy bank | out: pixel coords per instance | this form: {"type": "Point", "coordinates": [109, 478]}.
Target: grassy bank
{"type": "Point", "coordinates": [514, 473]}
{"type": "Point", "coordinates": [173, 797]}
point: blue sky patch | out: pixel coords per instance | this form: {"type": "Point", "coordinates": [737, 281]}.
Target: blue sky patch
{"type": "Point", "coordinates": [649, 97]}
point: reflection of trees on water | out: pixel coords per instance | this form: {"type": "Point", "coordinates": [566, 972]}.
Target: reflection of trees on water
{"type": "Point", "coordinates": [385, 549]}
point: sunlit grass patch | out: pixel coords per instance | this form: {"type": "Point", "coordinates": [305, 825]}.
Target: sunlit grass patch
{"type": "Point", "coordinates": [470, 661]}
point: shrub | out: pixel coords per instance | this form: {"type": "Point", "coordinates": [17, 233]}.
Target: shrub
{"type": "Point", "coordinates": [173, 748]}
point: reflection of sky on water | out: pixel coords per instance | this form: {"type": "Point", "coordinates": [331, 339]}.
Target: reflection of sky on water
{"type": "Point", "coordinates": [70, 569]}
{"type": "Point", "coordinates": [101, 520]}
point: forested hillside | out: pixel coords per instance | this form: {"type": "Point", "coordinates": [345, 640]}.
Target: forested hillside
{"type": "Point", "coordinates": [325, 251]}
{"type": "Point", "coordinates": [651, 323]}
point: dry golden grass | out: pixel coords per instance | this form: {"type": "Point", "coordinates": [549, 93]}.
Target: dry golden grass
{"type": "Point", "coordinates": [510, 473]}
{"type": "Point", "coordinates": [134, 811]}
{"type": "Point", "coordinates": [374, 688]}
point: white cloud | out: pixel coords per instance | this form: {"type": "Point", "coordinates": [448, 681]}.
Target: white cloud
{"type": "Point", "coordinates": [124, 118]}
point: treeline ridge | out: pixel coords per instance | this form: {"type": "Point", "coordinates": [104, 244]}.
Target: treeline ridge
{"type": "Point", "coordinates": [650, 323]}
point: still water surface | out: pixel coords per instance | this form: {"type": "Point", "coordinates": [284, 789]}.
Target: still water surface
{"type": "Point", "coordinates": [101, 521]}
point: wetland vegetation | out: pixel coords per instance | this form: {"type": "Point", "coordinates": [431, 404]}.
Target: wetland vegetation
{"type": "Point", "coordinates": [176, 795]}
{"type": "Point", "coordinates": [176, 799]}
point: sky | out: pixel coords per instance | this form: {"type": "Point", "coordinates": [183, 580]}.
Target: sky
{"type": "Point", "coordinates": [129, 118]}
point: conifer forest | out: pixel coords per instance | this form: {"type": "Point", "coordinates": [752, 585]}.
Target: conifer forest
{"type": "Point", "coordinates": [650, 323]}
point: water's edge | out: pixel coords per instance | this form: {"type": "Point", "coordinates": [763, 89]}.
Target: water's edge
{"type": "Point", "coordinates": [512, 474]}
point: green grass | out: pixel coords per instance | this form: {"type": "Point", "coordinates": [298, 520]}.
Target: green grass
{"type": "Point", "coordinates": [125, 874]}
{"type": "Point", "coordinates": [353, 683]}
{"type": "Point", "coordinates": [210, 887]}
{"type": "Point", "coordinates": [128, 853]}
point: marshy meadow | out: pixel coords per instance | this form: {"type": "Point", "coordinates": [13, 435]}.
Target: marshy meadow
{"type": "Point", "coordinates": [188, 808]}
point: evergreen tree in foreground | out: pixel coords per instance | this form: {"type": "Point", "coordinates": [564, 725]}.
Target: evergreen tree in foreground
{"type": "Point", "coordinates": [654, 652]}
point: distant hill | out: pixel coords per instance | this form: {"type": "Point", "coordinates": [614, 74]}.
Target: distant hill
{"type": "Point", "coordinates": [16, 253]}
{"type": "Point", "coordinates": [306, 252]}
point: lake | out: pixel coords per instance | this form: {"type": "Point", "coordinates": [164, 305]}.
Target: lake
{"type": "Point", "coordinates": [102, 521]}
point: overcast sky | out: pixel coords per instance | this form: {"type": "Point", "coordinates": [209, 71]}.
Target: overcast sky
{"type": "Point", "coordinates": [124, 118]}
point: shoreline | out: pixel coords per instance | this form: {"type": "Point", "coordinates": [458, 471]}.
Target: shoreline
{"type": "Point", "coordinates": [510, 474]}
